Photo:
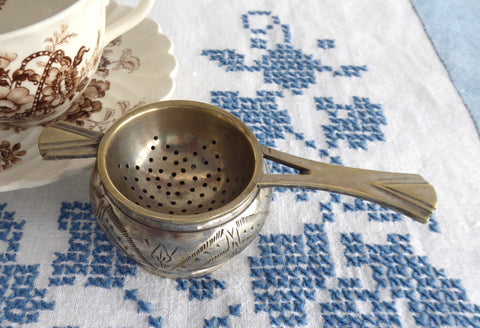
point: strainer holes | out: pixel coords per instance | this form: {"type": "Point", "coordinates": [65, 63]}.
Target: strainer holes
{"type": "Point", "coordinates": [150, 160]}
{"type": "Point", "coordinates": [213, 201]}
{"type": "Point", "coordinates": [214, 142]}
{"type": "Point", "coordinates": [195, 178]}
{"type": "Point", "coordinates": [228, 180]}
{"type": "Point", "coordinates": [164, 158]}
{"type": "Point", "coordinates": [157, 178]}
{"type": "Point", "coordinates": [148, 206]}
{"type": "Point", "coordinates": [136, 179]}
{"type": "Point", "coordinates": [174, 174]}
{"type": "Point", "coordinates": [200, 206]}
{"type": "Point", "coordinates": [214, 188]}
{"type": "Point", "coordinates": [160, 171]}
{"type": "Point", "coordinates": [155, 137]}
{"type": "Point", "coordinates": [140, 197]}
{"type": "Point", "coordinates": [148, 178]}
{"type": "Point", "coordinates": [205, 184]}
{"type": "Point", "coordinates": [217, 156]}
{"type": "Point", "coordinates": [125, 178]}
{"type": "Point", "coordinates": [168, 193]}
{"type": "Point", "coordinates": [189, 202]}
{"type": "Point", "coordinates": [127, 166]}
{"type": "Point", "coordinates": [137, 167]}
{"type": "Point", "coordinates": [152, 148]}
{"type": "Point", "coordinates": [119, 166]}
{"type": "Point", "coordinates": [171, 212]}
{"type": "Point", "coordinates": [177, 193]}
{"type": "Point", "coordinates": [224, 192]}
{"type": "Point", "coordinates": [204, 147]}
{"type": "Point", "coordinates": [219, 169]}
{"type": "Point", "coordinates": [219, 179]}
{"type": "Point", "coordinates": [183, 170]}
{"type": "Point", "coordinates": [192, 189]}
{"type": "Point", "coordinates": [209, 175]}
{"type": "Point", "coordinates": [132, 187]}
{"type": "Point", "coordinates": [205, 162]}
{"type": "Point", "coordinates": [159, 187]}
{"type": "Point", "coordinates": [167, 146]}
{"type": "Point", "coordinates": [159, 204]}
{"type": "Point", "coordinates": [182, 183]}
{"type": "Point", "coordinates": [137, 203]}
{"type": "Point", "coordinates": [144, 191]}
{"type": "Point", "coordinates": [150, 170]}
{"type": "Point", "coordinates": [173, 202]}
{"type": "Point", "coordinates": [202, 195]}
{"type": "Point", "coordinates": [184, 211]}
{"type": "Point", "coordinates": [169, 184]}
{"type": "Point", "coordinates": [193, 166]}
{"type": "Point", "coordinates": [185, 159]}
{"type": "Point", "coordinates": [195, 153]}
{"type": "Point", "coordinates": [152, 197]}
{"type": "Point", "coordinates": [176, 152]}
{"type": "Point", "coordinates": [210, 209]}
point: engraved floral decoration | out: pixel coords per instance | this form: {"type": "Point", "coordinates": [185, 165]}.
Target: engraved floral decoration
{"type": "Point", "coordinates": [31, 88]}
{"type": "Point", "coordinates": [10, 155]}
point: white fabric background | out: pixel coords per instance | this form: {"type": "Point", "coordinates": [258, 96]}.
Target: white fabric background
{"type": "Point", "coordinates": [429, 132]}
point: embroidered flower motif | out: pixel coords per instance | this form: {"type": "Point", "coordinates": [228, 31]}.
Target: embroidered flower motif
{"type": "Point", "coordinates": [10, 155]}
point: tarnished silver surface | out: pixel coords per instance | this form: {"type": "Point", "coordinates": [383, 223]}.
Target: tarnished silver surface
{"type": "Point", "coordinates": [179, 254]}
{"type": "Point", "coordinates": [180, 186]}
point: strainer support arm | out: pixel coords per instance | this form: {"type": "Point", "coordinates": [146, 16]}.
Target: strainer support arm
{"type": "Point", "coordinates": [408, 194]}
{"type": "Point", "coordinates": [63, 140]}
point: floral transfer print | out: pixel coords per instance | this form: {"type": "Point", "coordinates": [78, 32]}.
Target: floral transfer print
{"type": "Point", "coordinates": [89, 103]}
{"type": "Point", "coordinates": [88, 110]}
{"type": "Point", "coordinates": [31, 88]}
{"type": "Point", "coordinates": [10, 155]}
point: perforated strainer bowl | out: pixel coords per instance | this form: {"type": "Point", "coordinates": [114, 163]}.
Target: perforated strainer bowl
{"type": "Point", "coordinates": [180, 185]}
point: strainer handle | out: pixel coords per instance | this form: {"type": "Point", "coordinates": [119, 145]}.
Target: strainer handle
{"type": "Point", "coordinates": [408, 194]}
{"type": "Point", "coordinates": [63, 140]}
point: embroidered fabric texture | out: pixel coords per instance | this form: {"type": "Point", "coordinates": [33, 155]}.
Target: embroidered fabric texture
{"type": "Point", "coordinates": [349, 83]}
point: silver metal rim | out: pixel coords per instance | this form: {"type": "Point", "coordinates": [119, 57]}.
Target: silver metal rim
{"type": "Point", "coordinates": [187, 222]}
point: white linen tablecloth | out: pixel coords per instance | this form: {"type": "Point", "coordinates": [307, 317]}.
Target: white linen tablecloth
{"type": "Point", "coordinates": [351, 82]}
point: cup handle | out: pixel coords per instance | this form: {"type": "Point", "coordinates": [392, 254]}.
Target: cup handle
{"type": "Point", "coordinates": [128, 21]}
{"type": "Point", "coordinates": [408, 194]}
{"type": "Point", "coordinates": [63, 140]}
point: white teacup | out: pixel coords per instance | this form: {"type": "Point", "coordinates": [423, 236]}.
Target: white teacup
{"type": "Point", "coordinates": [49, 50]}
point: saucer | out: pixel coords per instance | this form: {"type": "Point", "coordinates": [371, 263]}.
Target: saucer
{"type": "Point", "coordinates": [136, 68]}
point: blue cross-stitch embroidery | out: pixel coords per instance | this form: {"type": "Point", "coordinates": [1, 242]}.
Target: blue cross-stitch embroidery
{"type": "Point", "coordinates": [288, 272]}
{"type": "Point", "coordinates": [282, 64]}
{"type": "Point", "coordinates": [433, 298]}
{"type": "Point", "coordinates": [214, 322]}
{"type": "Point", "coordinates": [200, 288]}
{"type": "Point", "coordinates": [20, 301]}
{"type": "Point", "coordinates": [292, 269]}
{"type": "Point", "coordinates": [357, 123]}
{"type": "Point", "coordinates": [90, 253]}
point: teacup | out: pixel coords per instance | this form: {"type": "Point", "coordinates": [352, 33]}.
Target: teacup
{"type": "Point", "coordinates": [49, 51]}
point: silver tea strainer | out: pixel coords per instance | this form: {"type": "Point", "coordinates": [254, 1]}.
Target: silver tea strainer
{"type": "Point", "coordinates": [180, 185]}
